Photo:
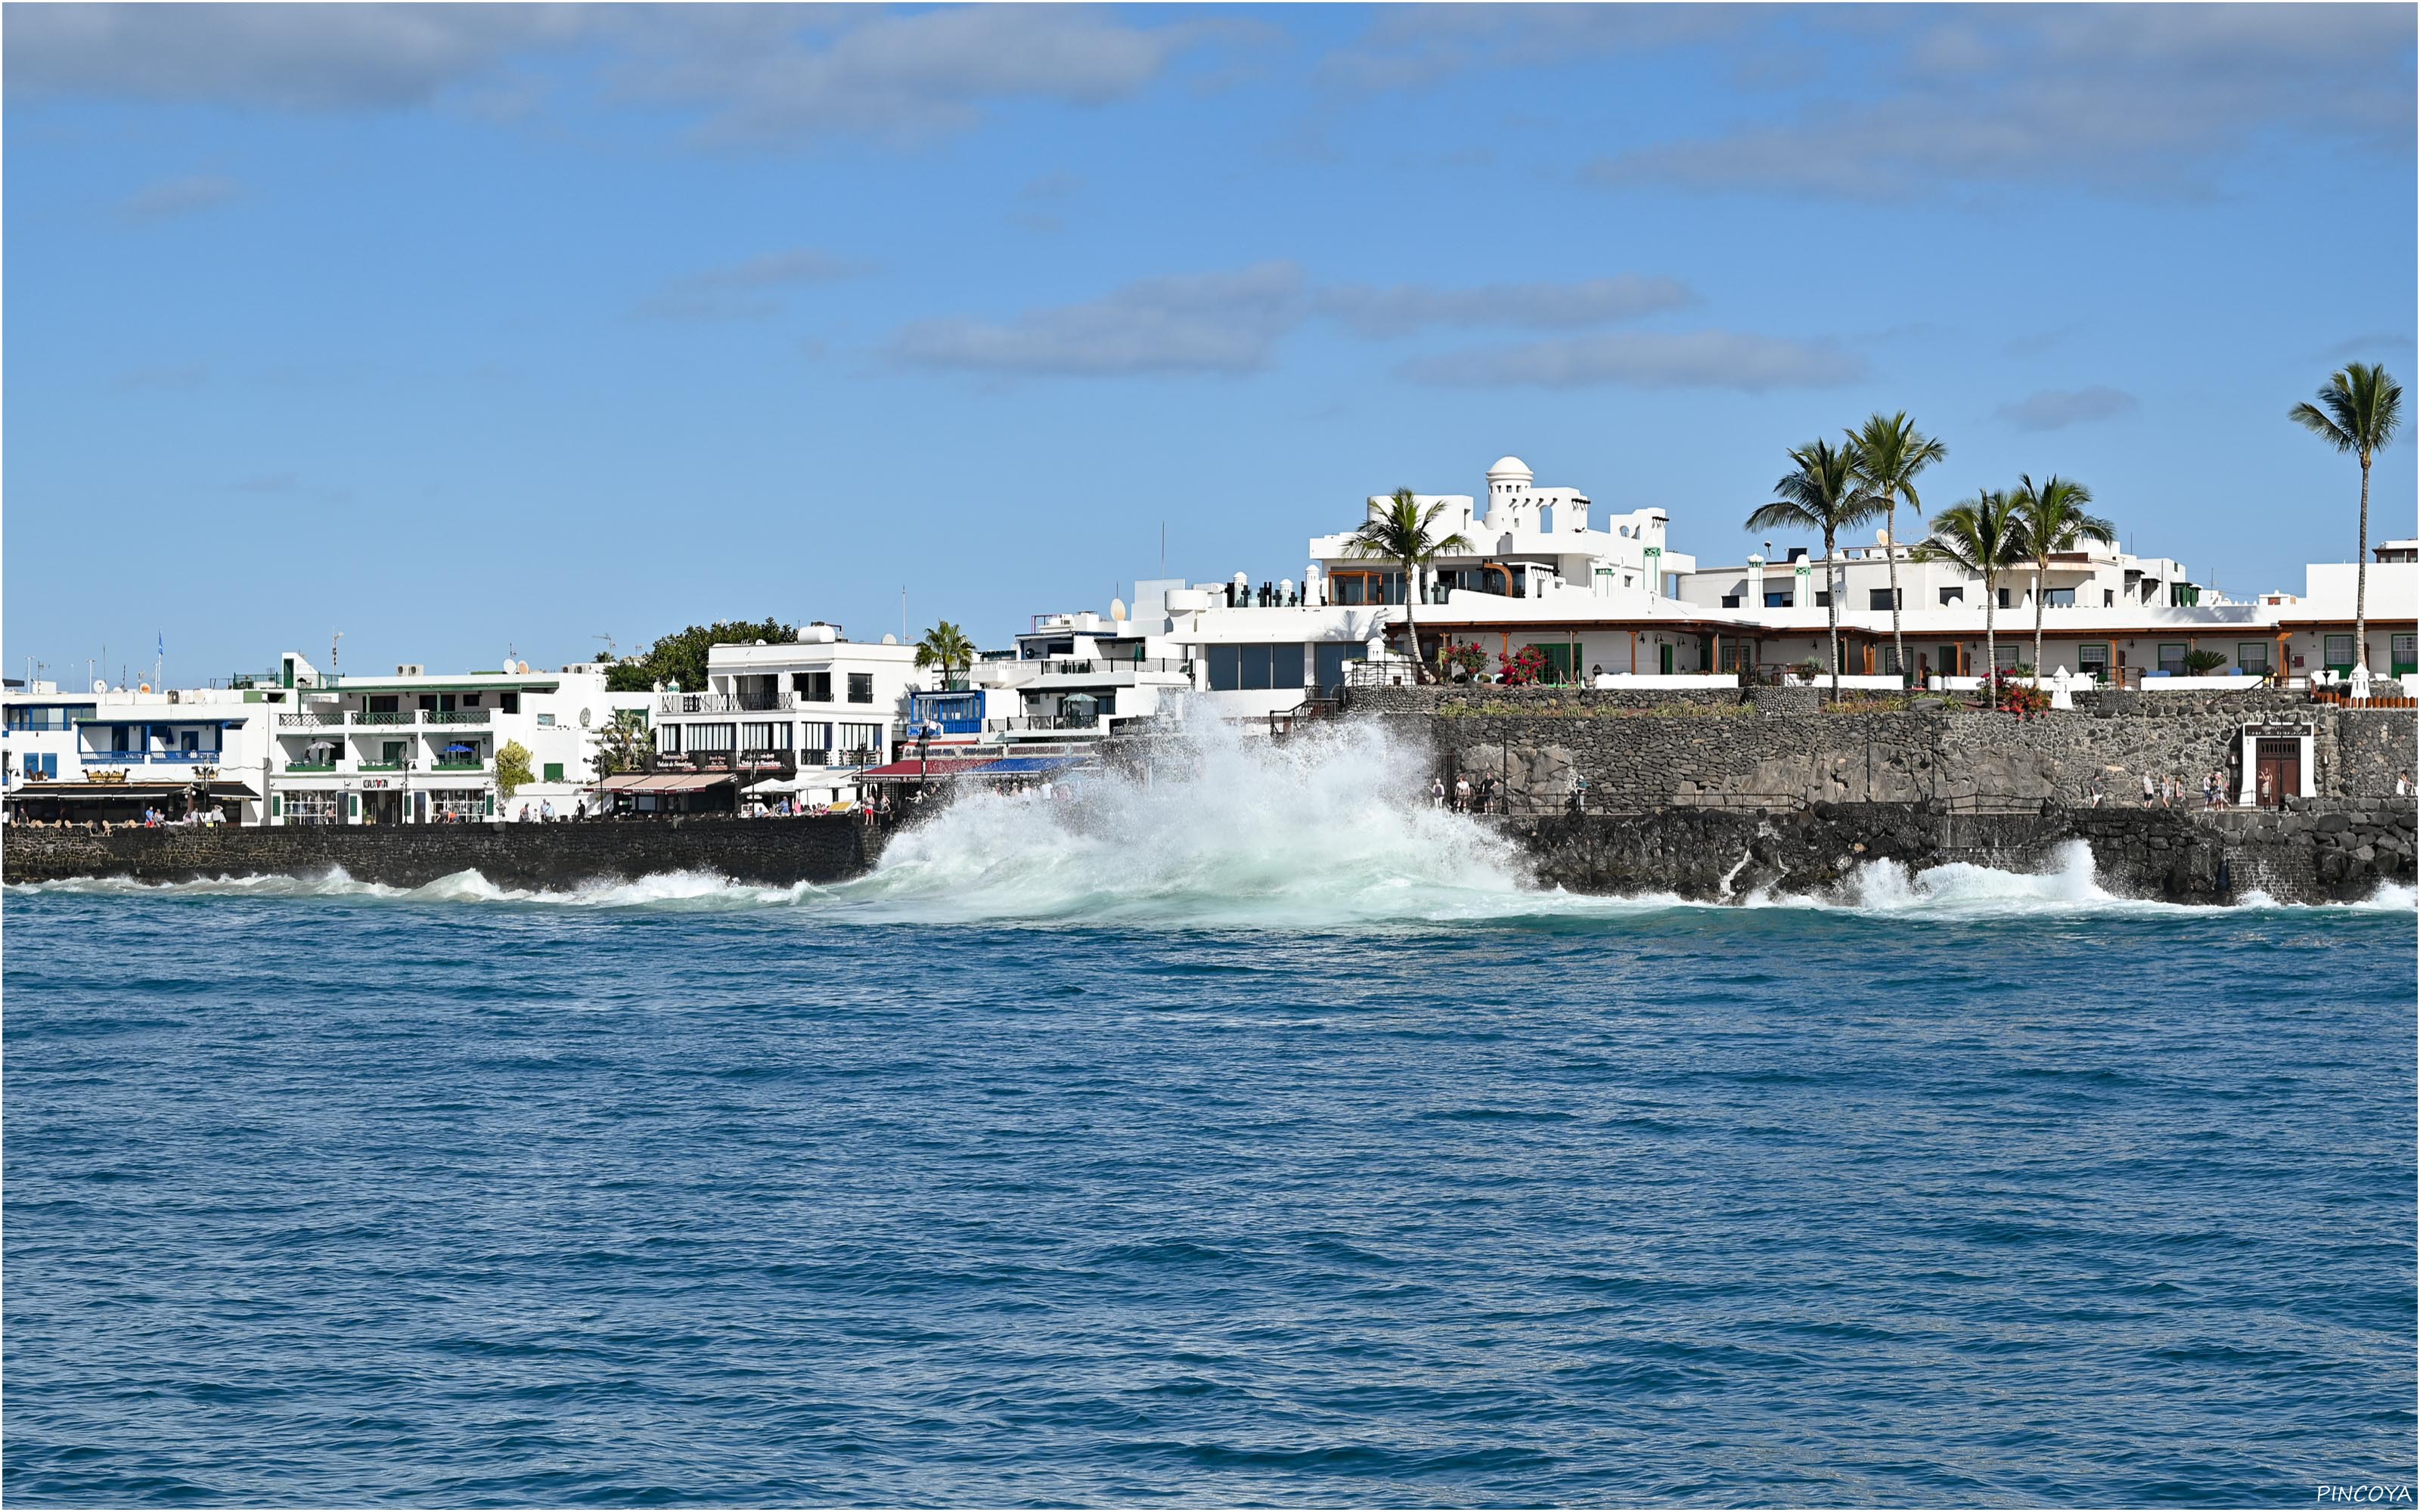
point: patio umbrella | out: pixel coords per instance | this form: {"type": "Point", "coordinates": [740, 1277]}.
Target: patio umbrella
{"type": "Point", "coordinates": [459, 745]}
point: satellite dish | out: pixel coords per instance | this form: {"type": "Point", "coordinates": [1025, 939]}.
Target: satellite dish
{"type": "Point", "coordinates": [890, 640]}
{"type": "Point", "coordinates": [583, 719]}
{"type": "Point", "coordinates": [1116, 609]}
{"type": "Point", "coordinates": [100, 685]}
{"type": "Point", "coordinates": [143, 687]}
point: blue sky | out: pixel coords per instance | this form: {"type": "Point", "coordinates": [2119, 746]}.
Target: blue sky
{"type": "Point", "coordinates": [464, 327]}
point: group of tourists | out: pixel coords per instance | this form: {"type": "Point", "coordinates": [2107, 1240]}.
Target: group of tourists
{"type": "Point", "coordinates": [1487, 796]}
{"type": "Point", "coordinates": [546, 815]}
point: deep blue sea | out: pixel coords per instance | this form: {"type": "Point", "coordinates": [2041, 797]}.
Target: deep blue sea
{"type": "Point", "coordinates": [1071, 1163]}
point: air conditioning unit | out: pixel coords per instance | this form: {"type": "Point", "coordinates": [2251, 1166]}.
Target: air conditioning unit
{"type": "Point", "coordinates": [411, 668]}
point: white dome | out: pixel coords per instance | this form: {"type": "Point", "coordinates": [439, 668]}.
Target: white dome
{"type": "Point", "coordinates": [1511, 464]}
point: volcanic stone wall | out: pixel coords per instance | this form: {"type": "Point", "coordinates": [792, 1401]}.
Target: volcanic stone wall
{"type": "Point", "coordinates": [772, 852]}
{"type": "Point", "coordinates": [1641, 750]}
{"type": "Point", "coordinates": [2182, 855]}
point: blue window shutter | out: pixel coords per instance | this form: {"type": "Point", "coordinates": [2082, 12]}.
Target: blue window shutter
{"type": "Point", "coordinates": [51, 765]}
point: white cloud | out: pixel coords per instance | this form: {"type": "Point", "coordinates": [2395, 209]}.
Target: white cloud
{"type": "Point", "coordinates": [1646, 360]}
{"type": "Point", "coordinates": [179, 196]}
{"type": "Point", "coordinates": [1409, 307]}
{"type": "Point", "coordinates": [1224, 322]}
{"type": "Point", "coordinates": [741, 290]}
{"type": "Point", "coordinates": [2138, 99]}
{"type": "Point", "coordinates": [761, 74]}
{"type": "Point", "coordinates": [2057, 409]}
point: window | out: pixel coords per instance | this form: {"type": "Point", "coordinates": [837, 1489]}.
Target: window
{"type": "Point", "coordinates": [2004, 598]}
{"type": "Point", "coordinates": [428, 703]}
{"type": "Point", "coordinates": [384, 704]}
{"type": "Point", "coordinates": [860, 687]}
{"type": "Point", "coordinates": [703, 738]}
{"type": "Point", "coordinates": [1235, 668]}
{"type": "Point", "coordinates": [2252, 656]}
{"type": "Point", "coordinates": [762, 737]}
{"type": "Point", "coordinates": [2172, 657]}
{"type": "Point", "coordinates": [2058, 598]}
{"type": "Point", "coordinates": [1890, 661]}
{"type": "Point", "coordinates": [1881, 598]}
{"type": "Point", "coordinates": [815, 737]}
{"type": "Point", "coordinates": [391, 752]}
{"type": "Point", "coordinates": [189, 742]}
{"type": "Point", "coordinates": [546, 722]}
{"type": "Point", "coordinates": [2004, 658]}
{"type": "Point", "coordinates": [310, 808]}
{"type": "Point", "coordinates": [2093, 661]}
{"type": "Point", "coordinates": [553, 772]}
{"type": "Point", "coordinates": [1953, 595]}
{"type": "Point", "coordinates": [1776, 598]}
{"type": "Point", "coordinates": [1822, 598]}
{"type": "Point", "coordinates": [2108, 598]}
{"type": "Point", "coordinates": [814, 687]}
{"type": "Point", "coordinates": [668, 739]}
{"type": "Point", "coordinates": [861, 745]}
{"type": "Point", "coordinates": [470, 701]}
{"type": "Point", "coordinates": [511, 703]}
{"type": "Point", "coordinates": [1327, 659]}
{"type": "Point", "coordinates": [2403, 654]}
{"type": "Point", "coordinates": [1731, 601]}
{"type": "Point", "coordinates": [2339, 654]}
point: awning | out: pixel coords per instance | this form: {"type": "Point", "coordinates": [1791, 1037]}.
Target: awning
{"type": "Point", "coordinates": [1019, 765]}
{"type": "Point", "coordinates": [665, 781]}
{"type": "Point", "coordinates": [89, 792]}
{"type": "Point", "coordinates": [937, 767]}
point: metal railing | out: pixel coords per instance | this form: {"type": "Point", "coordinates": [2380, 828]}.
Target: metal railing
{"type": "Point", "coordinates": [1046, 721]}
{"type": "Point", "coordinates": [725, 703]}
{"type": "Point", "coordinates": [385, 717]}
{"type": "Point", "coordinates": [1098, 665]}
{"type": "Point", "coordinates": [315, 720]}
{"type": "Point", "coordinates": [459, 715]}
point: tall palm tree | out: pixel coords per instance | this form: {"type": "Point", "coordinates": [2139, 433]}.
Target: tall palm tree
{"type": "Point", "coordinates": [1890, 453]}
{"type": "Point", "coordinates": [1400, 534]}
{"type": "Point", "coordinates": [1986, 536]}
{"type": "Point", "coordinates": [2055, 520]}
{"type": "Point", "coordinates": [2358, 412]}
{"type": "Point", "coordinates": [1823, 495]}
{"type": "Point", "coordinates": [945, 646]}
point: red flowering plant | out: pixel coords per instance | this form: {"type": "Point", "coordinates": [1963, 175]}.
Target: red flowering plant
{"type": "Point", "coordinates": [2010, 694]}
{"type": "Point", "coordinates": [1466, 658]}
{"type": "Point", "coordinates": [1524, 667]}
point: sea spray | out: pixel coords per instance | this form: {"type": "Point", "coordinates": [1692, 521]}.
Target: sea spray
{"type": "Point", "coordinates": [1335, 825]}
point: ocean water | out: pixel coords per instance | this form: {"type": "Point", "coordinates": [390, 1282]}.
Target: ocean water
{"type": "Point", "coordinates": [1244, 1137]}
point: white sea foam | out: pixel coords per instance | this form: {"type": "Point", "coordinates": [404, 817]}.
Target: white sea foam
{"type": "Point", "coordinates": [1332, 828]}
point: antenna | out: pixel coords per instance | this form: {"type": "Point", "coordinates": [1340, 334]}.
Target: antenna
{"type": "Point", "coordinates": [333, 643]}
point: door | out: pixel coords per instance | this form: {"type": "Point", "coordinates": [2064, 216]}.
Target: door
{"type": "Point", "coordinates": [2403, 654]}
{"type": "Point", "coordinates": [1944, 661]}
{"type": "Point", "coordinates": [382, 808]}
{"type": "Point", "coordinates": [2280, 772]}
{"type": "Point", "coordinates": [1664, 659]}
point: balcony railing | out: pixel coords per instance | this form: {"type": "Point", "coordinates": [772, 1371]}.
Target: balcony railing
{"type": "Point", "coordinates": [459, 715]}
{"type": "Point", "coordinates": [385, 717]}
{"type": "Point", "coordinates": [311, 766]}
{"type": "Point", "coordinates": [312, 719]}
{"type": "Point", "coordinates": [449, 763]}
{"type": "Point", "coordinates": [725, 703]}
{"type": "Point", "coordinates": [1046, 721]}
{"type": "Point", "coordinates": [1095, 665]}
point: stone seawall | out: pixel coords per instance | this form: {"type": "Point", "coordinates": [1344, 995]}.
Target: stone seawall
{"type": "Point", "coordinates": [768, 851]}
{"type": "Point", "coordinates": [1638, 752]}
{"type": "Point", "coordinates": [2340, 855]}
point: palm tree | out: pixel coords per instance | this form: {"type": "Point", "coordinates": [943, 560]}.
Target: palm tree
{"type": "Point", "coordinates": [2358, 412]}
{"type": "Point", "coordinates": [1824, 496]}
{"type": "Point", "coordinates": [2055, 520]}
{"type": "Point", "coordinates": [1401, 536]}
{"type": "Point", "coordinates": [1890, 454]}
{"type": "Point", "coordinates": [1986, 536]}
{"type": "Point", "coordinates": [945, 646]}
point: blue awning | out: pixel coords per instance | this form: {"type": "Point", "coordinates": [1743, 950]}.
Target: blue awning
{"type": "Point", "coordinates": [1017, 765]}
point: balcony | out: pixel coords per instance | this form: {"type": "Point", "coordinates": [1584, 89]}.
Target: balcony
{"type": "Point", "coordinates": [312, 719]}
{"type": "Point", "coordinates": [387, 717]}
{"type": "Point", "coordinates": [725, 703]}
{"type": "Point", "coordinates": [459, 715]}
{"type": "Point", "coordinates": [1044, 721]}
{"type": "Point", "coordinates": [308, 767]}
{"type": "Point", "coordinates": [383, 767]}
{"type": "Point", "coordinates": [1095, 666]}
{"type": "Point", "coordinates": [444, 763]}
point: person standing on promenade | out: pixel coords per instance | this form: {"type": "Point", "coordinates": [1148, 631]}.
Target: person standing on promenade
{"type": "Point", "coordinates": [2150, 792]}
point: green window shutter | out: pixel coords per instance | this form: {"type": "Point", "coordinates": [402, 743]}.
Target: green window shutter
{"type": "Point", "coordinates": [554, 771]}
{"type": "Point", "coordinates": [276, 805]}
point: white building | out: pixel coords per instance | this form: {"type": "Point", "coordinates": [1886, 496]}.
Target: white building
{"type": "Point", "coordinates": [421, 748]}
{"type": "Point", "coordinates": [111, 753]}
{"type": "Point", "coordinates": [796, 719]}
{"type": "Point", "coordinates": [1616, 603]}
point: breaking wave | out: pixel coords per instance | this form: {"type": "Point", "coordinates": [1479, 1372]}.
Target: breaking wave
{"type": "Point", "coordinates": [1331, 828]}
